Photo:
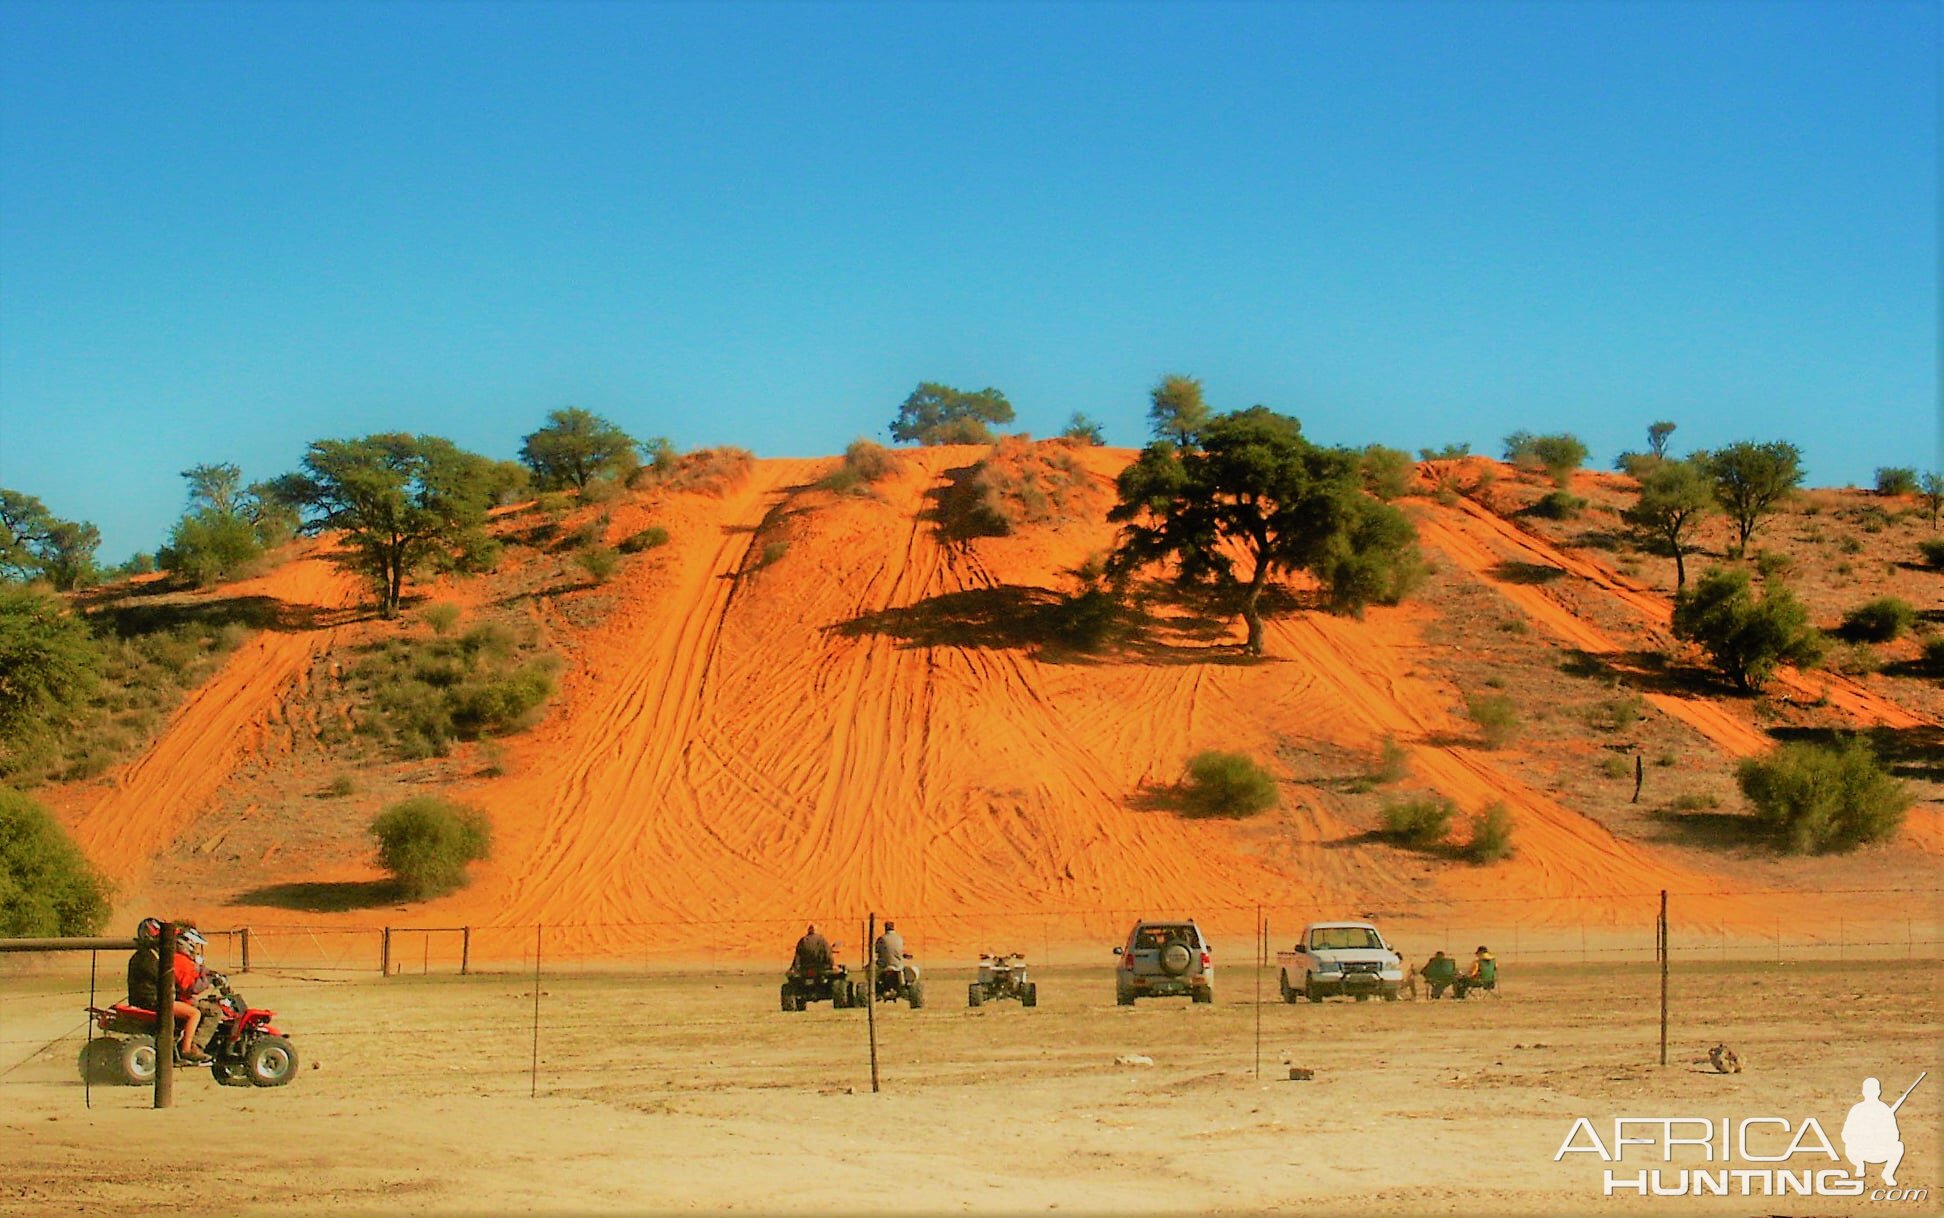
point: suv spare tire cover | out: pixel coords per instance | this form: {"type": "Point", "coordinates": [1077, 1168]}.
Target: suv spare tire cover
{"type": "Point", "coordinates": [1175, 958]}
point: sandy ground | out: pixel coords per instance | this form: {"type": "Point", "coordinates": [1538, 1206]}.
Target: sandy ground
{"type": "Point", "coordinates": [680, 1093]}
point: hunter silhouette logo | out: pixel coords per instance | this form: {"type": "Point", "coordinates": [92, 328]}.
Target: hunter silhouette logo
{"type": "Point", "coordinates": [1758, 1156]}
{"type": "Point", "coordinates": [1870, 1132]}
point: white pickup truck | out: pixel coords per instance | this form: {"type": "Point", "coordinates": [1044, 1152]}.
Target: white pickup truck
{"type": "Point", "coordinates": [1340, 958]}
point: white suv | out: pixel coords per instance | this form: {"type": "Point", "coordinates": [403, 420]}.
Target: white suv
{"type": "Point", "coordinates": [1340, 958]}
{"type": "Point", "coordinates": [1163, 959]}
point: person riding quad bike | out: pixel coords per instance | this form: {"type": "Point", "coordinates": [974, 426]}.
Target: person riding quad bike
{"type": "Point", "coordinates": [815, 976]}
{"type": "Point", "coordinates": [144, 981]}
{"type": "Point", "coordinates": [895, 977]}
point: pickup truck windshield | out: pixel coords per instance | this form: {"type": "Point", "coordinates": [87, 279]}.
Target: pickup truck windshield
{"type": "Point", "coordinates": [1336, 938]}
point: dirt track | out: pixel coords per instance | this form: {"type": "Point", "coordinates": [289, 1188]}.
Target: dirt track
{"type": "Point", "coordinates": [679, 1093]}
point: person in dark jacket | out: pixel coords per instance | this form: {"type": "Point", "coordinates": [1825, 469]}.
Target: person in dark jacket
{"type": "Point", "coordinates": [812, 952]}
{"type": "Point", "coordinates": [144, 975]}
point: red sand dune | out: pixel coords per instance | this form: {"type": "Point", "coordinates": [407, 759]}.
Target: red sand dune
{"type": "Point", "coordinates": [859, 724]}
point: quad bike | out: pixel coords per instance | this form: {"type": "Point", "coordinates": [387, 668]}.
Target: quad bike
{"type": "Point", "coordinates": [814, 984]}
{"type": "Point", "coordinates": [1002, 976]}
{"type": "Point", "coordinates": [247, 1050]}
{"type": "Point", "coordinates": [903, 983]}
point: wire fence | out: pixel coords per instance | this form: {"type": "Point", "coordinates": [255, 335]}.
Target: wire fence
{"type": "Point", "coordinates": [590, 1006]}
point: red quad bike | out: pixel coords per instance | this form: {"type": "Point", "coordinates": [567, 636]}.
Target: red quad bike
{"type": "Point", "coordinates": [801, 986]}
{"type": "Point", "coordinates": [247, 1049]}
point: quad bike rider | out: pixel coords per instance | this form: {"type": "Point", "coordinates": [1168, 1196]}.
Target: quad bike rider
{"type": "Point", "coordinates": [242, 1046]}
{"type": "Point", "coordinates": [815, 976]}
{"type": "Point", "coordinates": [894, 976]}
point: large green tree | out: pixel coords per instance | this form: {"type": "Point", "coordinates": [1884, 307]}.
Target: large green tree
{"type": "Point", "coordinates": [940, 414]}
{"type": "Point", "coordinates": [576, 447]}
{"type": "Point", "coordinates": [1254, 486]}
{"type": "Point", "coordinates": [1746, 636]}
{"type": "Point", "coordinates": [48, 663]}
{"type": "Point", "coordinates": [36, 544]}
{"type": "Point", "coordinates": [398, 499]}
{"type": "Point", "coordinates": [1674, 497]}
{"type": "Point", "coordinates": [1751, 480]}
{"type": "Point", "coordinates": [47, 887]}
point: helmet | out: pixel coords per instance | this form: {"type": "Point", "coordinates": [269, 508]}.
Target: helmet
{"type": "Point", "coordinates": [192, 942]}
{"type": "Point", "coordinates": [148, 930]}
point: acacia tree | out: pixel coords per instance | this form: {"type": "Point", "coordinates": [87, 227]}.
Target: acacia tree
{"type": "Point", "coordinates": [1751, 480]}
{"type": "Point", "coordinates": [227, 525]}
{"type": "Point", "coordinates": [36, 544]}
{"type": "Point", "coordinates": [1746, 636]}
{"type": "Point", "coordinates": [1176, 411]}
{"type": "Point", "coordinates": [48, 664]}
{"type": "Point", "coordinates": [1657, 437]}
{"type": "Point", "coordinates": [1674, 497]}
{"type": "Point", "coordinates": [940, 414]}
{"type": "Point", "coordinates": [575, 447]}
{"type": "Point", "coordinates": [1253, 484]}
{"type": "Point", "coordinates": [1930, 488]}
{"type": "Point", "coordinates": [398, 499]}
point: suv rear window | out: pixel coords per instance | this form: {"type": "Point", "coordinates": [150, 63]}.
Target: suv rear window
{"type": "Point", "coordinates": [1159, 936]}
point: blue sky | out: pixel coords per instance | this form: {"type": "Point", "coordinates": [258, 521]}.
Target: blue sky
{"type": "Point", "coordinates": [227, 230]}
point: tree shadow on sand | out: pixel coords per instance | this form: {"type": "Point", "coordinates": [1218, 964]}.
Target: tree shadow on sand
{"type": "Point", "coordinates": [324, 897]}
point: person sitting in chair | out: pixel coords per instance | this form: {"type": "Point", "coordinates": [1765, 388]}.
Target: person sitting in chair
{"type": "Point", "coordinates": [1440, 972]}
{"type": "Point", "coordinates": [1483, 974]}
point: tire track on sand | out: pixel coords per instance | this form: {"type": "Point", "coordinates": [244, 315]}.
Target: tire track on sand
{"type": "Point", "coordinates": [618, 838]}
{"type": "Point", "coordinates": [153, 800]}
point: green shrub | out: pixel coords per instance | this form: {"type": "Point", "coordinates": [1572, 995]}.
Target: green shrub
{"type": "Point", "coordinates": [1497, 718]}
{"type": "Point", "coordinates": [1896, 480]}
{"type": "Point", "coordinates": [47, 887]}
{"type": "Point", "coordinates": [1878, 621]}
{"type": "Point", "coordinates": [1817, 799]}
{"type": "Point", "coordinates": [1615, 714]}
{"type": "Point", "coordinates": [1227, 784]}
{"type": "Point", "coordinates": [647, 539]}
{"type": "Point", "coordinates": [1848, 544]}
{"type": "Point", "coordinates": [442, 617]}
{"type": "Point", "coordinates": [426, 842]}
{"type": "Point", "coordinates": [1558, 505]}
{"type": "Point", "coordinates": [1612, 766]}
{"type": "Point", "coordinates": [1386, 472]}
{"type": "Point", "coordinates": [600, 562]}
{"type": "Point", "coordinates": [424, 694]}
{"type": "Point", "coordinates": [1772, 564]}
{"type": "Point", "coordinates": [1932, 548]}
{"type": "Point", "coordinates": [50, 662]}
{"type": "Point", "coordinates": [773, 552]}
{"type": "Point", "coordinates": [1491, 835]}
{"type": "Point", "coordinates": [864, 462]}
{"type": "Point", "coordinates": [1856, 660]}
{"type": "Point", "coordinates": [340, 786]}
{"type": "Point", "coordinates": [1746, 637]}
{"type": "Point", "coordinates": [1934, 654]}
{"type": "Point", "coordinates": [1559, 455]}
{"type": "Point", "coordinates": [1421, 822]}
{"type": "Point", "coordinates": [1393, 761]}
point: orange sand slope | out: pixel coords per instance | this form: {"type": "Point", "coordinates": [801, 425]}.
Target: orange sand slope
{"type": "Point", "coordinates": [160, 795]}
{"type": "Point", "coordinates": [759, 733]}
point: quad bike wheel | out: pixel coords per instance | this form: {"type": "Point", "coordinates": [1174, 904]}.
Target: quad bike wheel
{"type": "Point", "coordinates": [916, 995]}
{"type": "Point", "coordinates": [839, 995]}
{"type": "Point", "coordinates": [230, 1074]}
{"type": "Point", "coordinates": [270, 1062]}
{"type": "Point", "coordinates": [101, 1061]}
{"type": "Point", "coordinates": [789, 997]}
{"type": "Point", "coordinates": [974, 995]}
{"type": "Point", "coordinates": [136, 1061]}
{"type": "Point", "coordinates": [1029, 997]}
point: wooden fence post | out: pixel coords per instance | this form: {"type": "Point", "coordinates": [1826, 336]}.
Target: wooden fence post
{"type": "Point", "coordinates": [165, 1029]}
{"type": "Point", "coordinates": [246, 950]}
{"type": "Point", "coordinates": [384, 953]}
{"type": "Point", "coordinates": [465, 950]}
